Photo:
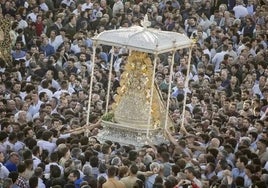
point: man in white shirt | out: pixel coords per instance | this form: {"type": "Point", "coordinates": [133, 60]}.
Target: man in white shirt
{"type": "Point", "coordinates": [46, 143]}
{"type": "Point", "coordinates": [64, 89]}
{"type": "Point", "coordinates": [205, 22]}
{"type": "Point", "coordinates": [218, 58]}
{"type": "Point", "coordinates": [53, 161]}
{"type": "Point", "coordinates": [87, 5]}
{"type": "Point", "coordinates": [22, 24]}
{"type": "Point", "coordinates": [33, 14]}
{"type": "Point", "coordinates": [50, 77]}
{"type": "Point", "coordinates": [36, 103]}
{"type": "Point", "coordinates": [37, 152]}
{"type": "Point", "coordinates": [38, 172]}
{"type": "Point", "coordinates": [19, 145]}
{"type": "Point", "coordinates": [54, 40]}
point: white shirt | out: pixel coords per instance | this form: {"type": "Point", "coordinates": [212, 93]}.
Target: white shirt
{"type": "Point", "coordinates": [232, 53]}
{"type": "Point", "coordinates": [79, 64]}
{"type": "Point", "coordinates": [67, 2]}
{"type": "Point", "coordinates": [47, 91]}
{"type": "Point", "coordinates": [256, 90]}
{"type": "Point", "coordinates": [19, 146]}
{"type": "Point", "coordinates": [41, 183]}
{"type": "Point", "coordinates": [87, 6]}
{"type": "Point", "coordinates": [206, 51]}
{"type": "Point", "coordinates": [34, 108]}
{"type": "Point", "coordinates": [4, 172]}
{"type": "Point", "coordinates": [240, 11]}
{"type": "Point", "coordinates": [55, 84]}
{"type": "Point", "coordinates": [117, 7]}
{"type": "Point", "coordinates": [250, 9]}
{"type": "Point", "coordinates": [33, 16]}
{"type": "Point", "coordinates": [205, 24]}
{"type": "Point", "coordinates": [75, 48]}
{"type": "Point", "coordinates": [57, 94]}
{"type": "Point", "coordinates": [240, 48]}
{"type": "Point", "coordinates": [46, 145]}
{"type": "Point", "coordinates": [22, 24]}
{"type": "Point", "coordinates": [36, 161]}
{"type": "Point", "coordinates": [217, 59]}
{"type": "Point", "coordinates": [56, 42]}
{"type": "Point", "coordinates": [76, 12]}
{"type": "Point", "coordinates": [117, 64]}
{"type": "Point", "coordinates": [47, 168]}
{"type": "Point", "coordinates": [43, 7]}
{"type": "Point", "coordinates": [8, 145]}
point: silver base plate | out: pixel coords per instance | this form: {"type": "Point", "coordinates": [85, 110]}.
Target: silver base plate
{"type": "Point", "coordinates": [129, 135]}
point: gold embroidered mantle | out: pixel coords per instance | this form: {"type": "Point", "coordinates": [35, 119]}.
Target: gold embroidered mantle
{"type": "Point", "coordinates": [132, 106]}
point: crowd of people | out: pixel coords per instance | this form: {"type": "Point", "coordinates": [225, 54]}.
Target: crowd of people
{"type": "Point", "coordinates": [45, 138]}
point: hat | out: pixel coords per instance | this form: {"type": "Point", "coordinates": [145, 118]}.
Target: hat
{"type": "Point", "coordinates": [3, 135]}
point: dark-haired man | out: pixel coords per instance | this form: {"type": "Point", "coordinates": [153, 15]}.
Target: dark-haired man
{"type": "Point", "coordinates": [112, 182]}
{"type": "Point", "coordinates": [22, 181]}
{"type": "Point", "coordinates": [130, 180]}
{"type": "Point", "coordinates": [74, 177]}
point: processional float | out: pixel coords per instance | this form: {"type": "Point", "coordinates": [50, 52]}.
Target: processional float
{"type": "Point", "coordinates": [138, 114]}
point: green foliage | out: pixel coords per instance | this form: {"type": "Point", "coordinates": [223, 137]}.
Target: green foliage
{"type": "Point", "coordinates": [108, 117]}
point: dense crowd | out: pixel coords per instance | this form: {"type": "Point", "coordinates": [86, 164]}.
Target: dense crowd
{"type": "Point", "coordinates": [45, 140]}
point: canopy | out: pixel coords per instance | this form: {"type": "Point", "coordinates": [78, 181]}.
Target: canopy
{"type": "Point", "coordinates": [144, 39]}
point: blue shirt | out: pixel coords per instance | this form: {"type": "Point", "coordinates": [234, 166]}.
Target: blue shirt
{"type": "Point", "coordinates": [12, 167]}
{"type": "Point", "coordinates": [78, 182]}
{"type": "Point", "coordinates": [18, 54]}
{"type": "Point", "coordinates": [48, 50]}
{"type": "Point", "coordinates": [150, 181]}
{"type": "Point", "coordinates": [237, 172]}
